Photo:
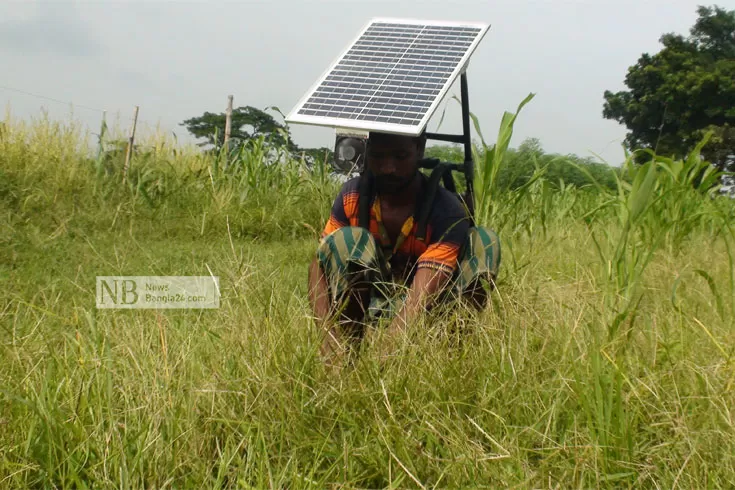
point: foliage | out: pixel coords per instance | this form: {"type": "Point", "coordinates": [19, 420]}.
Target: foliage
{"type": "Point", "coordinates": [489, 162]}
{"type": "Point", "coordinates": [558, 169]}
{"type": "Point", "coordinates": [249, 123]}
{"type": "Point", "coordinates": [520, 165]}
{"type": "Point", "coordinates": [604, 359]}
{"type": "Point", "coordinates": [315, 156]}
{"type": "Point", "coordinates": [445, 152]}
{"type": "Point", "coordinates": [684, 91]}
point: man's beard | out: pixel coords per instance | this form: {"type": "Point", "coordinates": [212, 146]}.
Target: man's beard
{"type": "Point", "coordinates": [391, 184]}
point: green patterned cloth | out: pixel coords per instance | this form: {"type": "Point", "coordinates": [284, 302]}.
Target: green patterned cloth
{"type": "Point", "coordinates": [479, 258]}
{"type": "Point", "coordinates": [350, 257]}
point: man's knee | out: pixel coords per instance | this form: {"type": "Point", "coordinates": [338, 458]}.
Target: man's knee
{"type": "Point", "coordinates": [480, 257]}
{"type": "Point", "coordinates": [350, 244]}
{"type": "Point", "coordinates": [350, 261]}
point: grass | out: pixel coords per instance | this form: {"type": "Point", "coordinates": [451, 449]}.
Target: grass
{"type": "Point", "coordinates": [605, 359]}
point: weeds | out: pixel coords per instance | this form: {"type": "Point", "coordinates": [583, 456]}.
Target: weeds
{"type": "Point", "coordinates": [604, 358]}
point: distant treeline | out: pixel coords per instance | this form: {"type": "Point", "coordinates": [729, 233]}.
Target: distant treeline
{"type": "Point", "coordinates": [521, 163]}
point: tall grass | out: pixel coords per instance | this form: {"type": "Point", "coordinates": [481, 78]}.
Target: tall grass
{"type": "Point", "coordinates": [165, 182]}
{"type": "Point", "coordinates": [603, 361]}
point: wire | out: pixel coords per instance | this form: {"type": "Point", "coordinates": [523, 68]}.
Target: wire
{"type": "Point", "coordinates": [51, 99]}
{"type": "Point", "coordinates": [141, 122]}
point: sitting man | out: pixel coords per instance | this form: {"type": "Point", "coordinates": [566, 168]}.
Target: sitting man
{"type": "Point", "coordinates": [353, 266]}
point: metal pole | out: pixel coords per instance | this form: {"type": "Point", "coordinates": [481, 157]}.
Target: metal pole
{"type": "Point", "coordinates": [452, 138]}
{"type": "Point", "coordinates": [469, 164]}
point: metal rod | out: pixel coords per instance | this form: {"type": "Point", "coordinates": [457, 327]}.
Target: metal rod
{"type": "Point", "coordinates": [469, 164]}
{"type": "Point", "coordinates": [454, 138]}
{"type": "Point", "coordinates": [432, 163]}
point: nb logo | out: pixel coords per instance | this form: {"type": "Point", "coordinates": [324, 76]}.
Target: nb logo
{"type": "Point", "coordinates": [115, 292]}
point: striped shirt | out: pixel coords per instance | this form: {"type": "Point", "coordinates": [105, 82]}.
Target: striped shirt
{"type": "Point", "coordinates": [446, 231]}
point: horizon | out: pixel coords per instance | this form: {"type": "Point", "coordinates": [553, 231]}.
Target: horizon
{"type": "Point", "coordinates": [170, 62]}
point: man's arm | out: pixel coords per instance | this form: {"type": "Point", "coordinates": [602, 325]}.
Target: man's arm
{"type": "Point", "coordinates": [318, 292]}
{"type": "Point", "coordinates": [427, 285]}
{"type": "Point", "coordinates": [332, 346]}
{"type": "Point", "coordinates": [434, 269]}
{"type": "Point", "coordinates": [334, 342]}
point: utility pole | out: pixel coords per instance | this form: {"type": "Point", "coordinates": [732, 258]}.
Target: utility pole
{"type": "Point", "coordinates": [131, 140]}
{"type": "Point", "coordinates": [228, 119]}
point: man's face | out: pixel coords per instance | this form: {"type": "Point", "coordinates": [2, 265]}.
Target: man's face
{"type": "Point", "coordinates": [393, 160]}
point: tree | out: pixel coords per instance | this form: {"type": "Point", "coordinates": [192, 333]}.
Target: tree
{"type": "Point", "coordinates": [520, 164]}
{"type": "Point", "coordinates": [247, 122]}
{"type": "Point", "coordinates": [313, 156]}
{"type": "Point", "coordinates": [682, 92]}
{"type": "Point", "coordinates": [446, 153]}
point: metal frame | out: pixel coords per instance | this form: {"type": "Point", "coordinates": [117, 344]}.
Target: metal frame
{"type": "Point", "coordinates": [465, 139]}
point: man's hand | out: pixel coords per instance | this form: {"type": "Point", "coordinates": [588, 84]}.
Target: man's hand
{"type": "Point", "coordinates": [339, 324]}
{"type": "Point", "coordinates": [426, 286]}
{"type": "Point", "coordinates": [318, 292]}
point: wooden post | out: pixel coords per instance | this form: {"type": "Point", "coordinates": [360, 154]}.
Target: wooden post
{"type": "Point", "coordinates": [103, 130]}
{"type": "Point", "coordinates": [129, 151]}
{"type": "Point", "coordinates": [228, 119]}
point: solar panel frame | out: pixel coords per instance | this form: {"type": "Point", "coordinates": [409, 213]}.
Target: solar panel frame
{"type": "Point", "coordinates": [407, 129]}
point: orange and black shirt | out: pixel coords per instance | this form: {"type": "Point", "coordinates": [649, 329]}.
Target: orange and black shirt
{"type": "Point", "coordinates": [446, 231]}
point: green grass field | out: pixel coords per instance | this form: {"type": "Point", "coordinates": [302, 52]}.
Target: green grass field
{"type": "Point", "coordinates": [605, 359]}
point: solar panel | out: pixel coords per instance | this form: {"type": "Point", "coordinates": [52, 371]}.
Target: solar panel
{"type": "Point", "coordinates": [392, 77]}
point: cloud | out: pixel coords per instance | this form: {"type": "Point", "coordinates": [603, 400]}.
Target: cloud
{"type": "Point", "coordinates": [134, 79]}
{"type": "Point", "coordinates": [54, 29]}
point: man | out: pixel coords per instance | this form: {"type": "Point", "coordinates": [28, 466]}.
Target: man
{"type": "Point", "coordinates": [355, 267]}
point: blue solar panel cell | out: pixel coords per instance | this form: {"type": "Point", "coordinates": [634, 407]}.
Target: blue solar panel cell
{"type": "Point", "coordinates": [394, 73]}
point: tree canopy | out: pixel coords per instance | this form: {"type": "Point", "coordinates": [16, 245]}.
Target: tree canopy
{"type": "Point", "coordinates": [247, 123]}
{"type": "Point", "coordinates": [679, 94]}
{"type": "Point", "coordinates": [521, 162]}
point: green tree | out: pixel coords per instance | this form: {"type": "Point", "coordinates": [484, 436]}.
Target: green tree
{"type": "Point", "coordinates": [685, 90]}
{"type": "Point", "coordinates": [520, 165]}
{"type": "Point", "coordinates": [313, 156]}
{"type": "Point", "coordinates": [453, 153]}
{"type": "Point", "coordinates": [247, 122]}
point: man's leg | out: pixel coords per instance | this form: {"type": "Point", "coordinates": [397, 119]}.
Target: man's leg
{"type": "Point", "coordinates": [480, 260]}
{"type": "Point", "coordinates": [341, 280]}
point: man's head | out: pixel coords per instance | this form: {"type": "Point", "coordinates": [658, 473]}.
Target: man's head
{"type": "Point", "coordinates": [394, 160]}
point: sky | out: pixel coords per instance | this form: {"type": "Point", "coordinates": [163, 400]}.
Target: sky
{"type": "Point", "coordinates": [176, 60]}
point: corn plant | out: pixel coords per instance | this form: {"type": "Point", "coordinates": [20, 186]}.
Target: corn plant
{"type": "Point", "coordinates": [688, 188]}
{"type": "Point", "coordinates": [489, 162]}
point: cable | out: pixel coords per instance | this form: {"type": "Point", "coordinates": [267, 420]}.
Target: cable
{"type": "Point", "coordinates": [151, 125]}
{"type": "Point", "coordinates": [51, 99]}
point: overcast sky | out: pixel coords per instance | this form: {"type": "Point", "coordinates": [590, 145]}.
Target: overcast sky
{"type": "Point", "coordinates": [178, 59]}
